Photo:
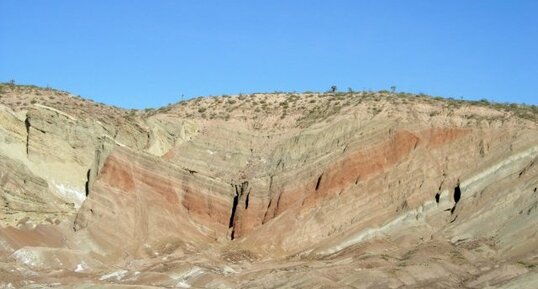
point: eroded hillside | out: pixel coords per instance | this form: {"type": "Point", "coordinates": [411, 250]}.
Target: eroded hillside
{"type": "Point", "coordinates": [298, 190]}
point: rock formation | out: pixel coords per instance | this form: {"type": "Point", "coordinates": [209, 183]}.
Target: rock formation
{"type": "Point", "coordinates": [295, 190]}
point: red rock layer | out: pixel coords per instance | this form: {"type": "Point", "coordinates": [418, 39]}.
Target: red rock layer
{"type": "Point", "coordinates": [139, 199]}
{"type": "Point", "coordinates": [357, 164]}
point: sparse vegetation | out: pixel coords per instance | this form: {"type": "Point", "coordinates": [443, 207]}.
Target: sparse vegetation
{"type": "Point", "coordinates": [300, 109]}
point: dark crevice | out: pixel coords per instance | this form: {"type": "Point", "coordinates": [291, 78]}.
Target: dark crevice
{"type": "Point", "coordinates": [234, 208]}
{"type": "Point", "coordinates": [457, 193]}
{"type": "Point", "coordinates": [240, 190]}
{"type": "Point", "coordinates": [319, 182]}
{"type": "Point", "coordinates": [27, 125]}
{"type": "Point", "coordinates": [87, 184]}
{"type": "Point", "coordinates": [148, 139]}
{"type": "Point", "coordinates": [279, 164]}
{"type": "Point", "coordinates": [457, 197]}
{"type": "Point", "coordinates": [267, 211]}
{"type": "Point", "coordinates": [437, 197]}
{"type": "Point", "coordinates": [246, 200]}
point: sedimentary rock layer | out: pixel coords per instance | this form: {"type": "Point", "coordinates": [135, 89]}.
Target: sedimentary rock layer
{"type": "Point", "coordinates": [359, 190]}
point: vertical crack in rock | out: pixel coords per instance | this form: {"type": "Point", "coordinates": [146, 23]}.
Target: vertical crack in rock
{"type": "Point", "coordinates": [101, 154]}
{"type": "Point", "coordinates": [148, 139]}
{"type": "Point", "coordinates": [267, 211]}
{"type": "Point", "coordinates": [457, 197]}
{"type": "Point", "coordinates": [27, 125]}
{"type": "Point", "coordinates": [265, 215]}
{"type": "Point", "coordinates": [457, 193]}
{"type": "Point", "coordinates": [438, 195]}
{"type": "Point", "coordinates": [240, 191]}
{"type": "Point", "coordinates": [319, 182]}
{"type": "Point", "coordinates": [87, 184]}
{"type": "Point", "coordinates": [234, 208]}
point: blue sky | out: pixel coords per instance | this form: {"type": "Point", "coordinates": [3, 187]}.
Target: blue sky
{"type": "Point", "coordinates": [148, 53]}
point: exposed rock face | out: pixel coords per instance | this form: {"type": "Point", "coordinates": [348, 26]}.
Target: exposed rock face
{"type": "Point", "coordinates": [312, 191]}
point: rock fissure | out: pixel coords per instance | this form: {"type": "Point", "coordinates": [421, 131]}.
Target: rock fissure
{"type": "Point", "coordinates": [457, 197]}
{"type": "Point", "coordinates": [234, 209]}
{"type": "Point", "coordinates": [241, 196]}
{"type": "Point", "coordinates": [319, 181]}
{"type": "Point", "coordinates": [457, 193]}
{"type": "Point", "coordinates": [87, 184]}
{"type": "Point", "coordinates": [27, 125]}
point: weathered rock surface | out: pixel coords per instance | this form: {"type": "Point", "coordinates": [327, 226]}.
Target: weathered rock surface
{"type": "Point", "coordinates": [362, 190]}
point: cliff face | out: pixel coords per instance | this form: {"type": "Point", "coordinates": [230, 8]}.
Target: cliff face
{"type": "Point", "coordinates": [357, 190]}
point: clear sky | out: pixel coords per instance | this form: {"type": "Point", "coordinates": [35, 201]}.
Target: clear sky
{"type": "Point", "coordinates": [148, 53]}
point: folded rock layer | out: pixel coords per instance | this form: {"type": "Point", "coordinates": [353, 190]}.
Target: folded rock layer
{"type": "Point", "coordinates": [331, 190]}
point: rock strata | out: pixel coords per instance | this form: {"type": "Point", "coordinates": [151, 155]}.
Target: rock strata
{"type": "Point", "coordinates": [333, 190]}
